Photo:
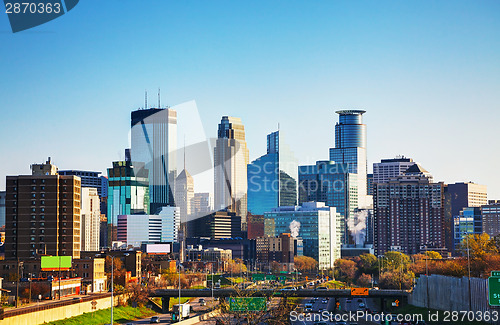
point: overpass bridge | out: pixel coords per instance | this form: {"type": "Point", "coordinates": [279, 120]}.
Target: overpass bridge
{"type": "Point", "coordinates": [166, 294]}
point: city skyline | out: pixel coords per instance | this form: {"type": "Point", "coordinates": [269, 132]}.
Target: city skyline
{"type": "Point", "coordinates": [410, 67]}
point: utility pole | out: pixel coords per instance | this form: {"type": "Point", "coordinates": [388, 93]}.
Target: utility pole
{"type": "Point", "coordinates": [112, 289]}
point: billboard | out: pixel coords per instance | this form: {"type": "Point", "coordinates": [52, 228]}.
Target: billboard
{"type": "Point", "coordinates": [158, 248]}
{"type": "Point", "coordinates": [53, 263]}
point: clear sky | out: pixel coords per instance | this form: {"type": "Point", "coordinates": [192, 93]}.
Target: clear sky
{"type": "Point", "coordinates": [426, 72]}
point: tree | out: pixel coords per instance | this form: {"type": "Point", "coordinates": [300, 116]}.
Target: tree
{"type": "Point", "coordinates": [396, 280]}
{"type": "Point", "coordinates": [478, 246]}
{"type": "Point", "coordinates": [345, 270]}
{"type": "Point", "coordinates": [393, 260]}
{"type": "Point", "coordinates": [237, 266]}
{"type": "Point", "coordinates": [368, 264]}
{"type": "Point", "coordinates": [118, 269]}
{"type": "Point", "coordinates": [138, 294]}
{"type": "Point", "coordinates": [364, 280]}
{"type": "Point", "coordinates": [433, 255]}
{"type": "Point", "coordinates": [305, 263]}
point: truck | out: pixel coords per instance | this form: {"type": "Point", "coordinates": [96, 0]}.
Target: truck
{"type": "Point", "coordinates": [184, 309]}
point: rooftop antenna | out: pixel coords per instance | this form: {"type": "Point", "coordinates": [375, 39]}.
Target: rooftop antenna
{"type": "Point", "coordinates": [145, 99]}
{"type": "Point", "coordinates": [278, 126]}
{"type": "Point", "coordinates": [159, 98]}
{"type": "Point", "coordinates": [184, 152]}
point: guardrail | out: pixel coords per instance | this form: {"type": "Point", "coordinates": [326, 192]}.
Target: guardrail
{"type": "Point", "coordinates": [55, 304]}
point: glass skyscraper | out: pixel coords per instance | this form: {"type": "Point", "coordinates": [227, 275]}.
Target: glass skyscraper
{"type": "Point", "coordinates": [128, 193]}
{"type": "Point", "coordinates": [154, 142]}
{"type": "Point", "coordinates": [272, 178]}
{"type": "Point", "coordinates": [331, 184]}
{"type": "Point", "coordinates": [350, 148]}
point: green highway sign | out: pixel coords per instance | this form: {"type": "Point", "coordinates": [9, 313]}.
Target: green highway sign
{"type": "Point", "coordinates": [494, 290]}
{"type": "Point", "coordinates": [495, 273]}
{"type": "Point", "coordinates": [247, 304]}
{"type": "Point", "coordinates": [270, 277]}
{"type": "Point", "coordinates": [258, 277]}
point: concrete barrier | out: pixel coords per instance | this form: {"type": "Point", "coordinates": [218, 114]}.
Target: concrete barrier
{"type": "Point", "coordinates": [58, 313]}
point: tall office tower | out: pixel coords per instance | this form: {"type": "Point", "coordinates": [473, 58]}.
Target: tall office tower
{"type": "Point", "coordinates": [94, 180]}
{"type": "Point", "coordinates": [319, 227]}
{"type": "Point", "coordinates": [389, 168]}
{"type": "Point", "coordinates": [154, 142]}
{"type": "Point", "coordinates": [184, 194]}
{"type": "Point", "coordinates": [217, 225]}
{"type": "Point", "coordinates": [2, 209]}
{"type": "Point", "coordinates": [468, 222]}
{"type": "Point", "coordinates": [333, 185]}
{"type": "Point", "coordinates": [272, 178]}
{"type": "Point", "coordinates": [350, 148]}
{"type": "Point", "coordinates": [491, 217]}
{"type": "Point", "coordinates": [202, 204]}
{"type": "Point", "coordinates": [91, 219]}
{"type": "Point", "coordinates": [408, 213]}
{"type": "Point", "coordinates": [456, 197]}
{"type": "Point", "coordinates": [42, 214]}
{"type": "Point", "coordinates": [128, 193]}
{"type": "Point", "coordinates": [231, 160]}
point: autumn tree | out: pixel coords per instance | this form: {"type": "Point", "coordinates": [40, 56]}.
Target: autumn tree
{"type": "Point", "coordinates": [368, 264]}
{"type": "Point", "coordinates": [433, 255]}
{"type": "Point", "coordinates": [345, 270]}
{"type": "Point", "coordinates": [364, 280]}
{"type": "Point", "coordinates": [236, 266]}
{"type": "Point", "coordinates": [305, 263]}
{"type": "Point", "coordinates": [478, 246]}
{"type": "Point", "coordinates": [393, 260]}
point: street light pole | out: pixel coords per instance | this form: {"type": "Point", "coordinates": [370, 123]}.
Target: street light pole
{"type": "Point", "coordinates": [468, 267]}
{"type": "Point", "coordinates": [112, 288]}
{"type": "Point", "coordinates": [180, 313]}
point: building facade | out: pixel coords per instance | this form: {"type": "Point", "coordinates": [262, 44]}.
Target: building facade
{"type": "Point", "coordinates": [390, 168]}
{"type": "Point", "coordinates": [272, 178]}
{"type": "Point", "coordinates": [457, 197]}
{"type": "Point", "coordinates": [154, 142]}
{"type": "Point", "coordinates": [279, 249]}
{"type": "Point", "coordinates": [202, 204]}
{"type": "Point", "coordinates": [468, 222]}
{"type": "Point", "coordinates": [139, 228]}
{"type": "Point", "coordinates": [90, 219]}
{"type": "Point", "coordinates": [220, 224]}
{"type": "Point", "coordinates": [128, 193]}
{"type": "Point", "coordinates": [319, 226]}
{"type": "Point", "coordinates": [230, 168]}
{"type": "Point", "coordinates": [333, 185]}
{"type": "Point", "coordinates": [2, 208]}
{"type": "Point", "coordinates": [350, 148]}
{"type": "Point", "coordinates": [491, 217]}
{"type": "Point", "coordinates": [91, 270]}
{"type": "Point", "coordinates": [42, 214]}
{"type": "Point", "coordinates": [184, 194]}
{"type": "Point", "coordinates": [408, 213]}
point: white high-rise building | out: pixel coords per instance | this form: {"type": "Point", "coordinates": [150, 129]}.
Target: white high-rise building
{"type": "Point", "coordinates": [390, 168]}
{"type": "Point", "coordinates": [91, 219]}
{"type": "Point", "coordinates": [231, 160]}
{"type": "Point", "coordinates": [184, 194]}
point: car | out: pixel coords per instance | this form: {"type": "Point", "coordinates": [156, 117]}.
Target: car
{"type": "Point", "coordinates": [308, 309]}
{"type": "Point", "coordinates": [325, 301]}
{"type": "Point", "coordinates": [320, 288]}
{"type": "Point", "coordinates": [360, 300]}
{"type": "Point", "coordinates": [348, 301]}
{"type": "Point", "coordinates": [361, 305]}
{"type": "Point", "coordinates": [202, 302]}
{"type": "Point", "coordinates": [341, 323]}
{"type": "Point", "coordinates": [154, 319]}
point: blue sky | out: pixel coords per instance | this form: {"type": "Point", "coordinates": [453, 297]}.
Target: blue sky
{"type": "Point", "coordinates": [426, 72]}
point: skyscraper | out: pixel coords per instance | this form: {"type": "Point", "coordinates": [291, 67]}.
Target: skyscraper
{"type": "Point", "coordinates": [2, 209]}
{"type": "Point", "coordinates": [91, 219]}
{"type": "Point", "coordinates": [491, 217]}
{"type": "Point", "coordinates": [42, 214]}
{"type": "Point", "coordinates": [154, 142]}
{"type": "Point", "coordinates": [272, 178]}
{"type": "Point", "coordinates": [184, 194]}
{"type": "Point", "coordinates": [231, 160]}
{"type": "Point", "coordinates": [128, 193]}
{"type": "Point", "coordinates": [350, 148]}
{"type": "Point", "coordinates": [202, 204]}
{"type": "Point", "coordinates": [408, 213]}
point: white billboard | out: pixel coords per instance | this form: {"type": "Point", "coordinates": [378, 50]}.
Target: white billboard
{"type": "Point", "coordinates": [158, 248]}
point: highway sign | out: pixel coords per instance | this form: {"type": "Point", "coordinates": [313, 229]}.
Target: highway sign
{"type": "Point", "coordinates": [495, 273]}
{"type": "Point", "coordinates": [247, 304]}
{"type": "Point", "coordinates": [270, 277]}
{"type": "Point", "coordinates": [359, 292]}
{"type": "Point", "coordinates": [258, 277]}
{"type": "Point", "coordinates": [494, 290]}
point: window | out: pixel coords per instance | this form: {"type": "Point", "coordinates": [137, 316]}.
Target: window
{"type": "Point", "coordinates": [32, 195]}
{"type": "Point", "coordinates": [42, 202]}
{"type": "Point", "coordinates": [43, 181]}
{"type": "Point", "coordinates": [42, 195]}
{"type": "Point", "coordinates": [42, 217]}
{"type": "Point", "coordinates": [42, 224]}
{"type": "Point", "coordinates": [43, 188]}
{"type": "Point", "coordinates": [33, 181]}
{"type": "Point", "coordinates": [33, 188]}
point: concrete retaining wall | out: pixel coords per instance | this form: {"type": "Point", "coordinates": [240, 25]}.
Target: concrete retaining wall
{"type": "Point", "coordinates": [450, 293]}
{"type": "Point", "coordinates": [58, 313]}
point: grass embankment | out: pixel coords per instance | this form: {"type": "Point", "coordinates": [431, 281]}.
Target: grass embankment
{"type": "Point", "coordinates": [409, 309]}
{"type": "Point", "coordinates": [120, 315]}
{"type": "Point", "coordinates": [333, 284]}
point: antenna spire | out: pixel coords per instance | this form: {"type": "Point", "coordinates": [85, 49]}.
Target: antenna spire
{"type": "Point", "coordinates": [184, 152]}
{"type": "Point", "coordinates": [159, 98]}
{"type": "Point", "coordinates": [145, 99]}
